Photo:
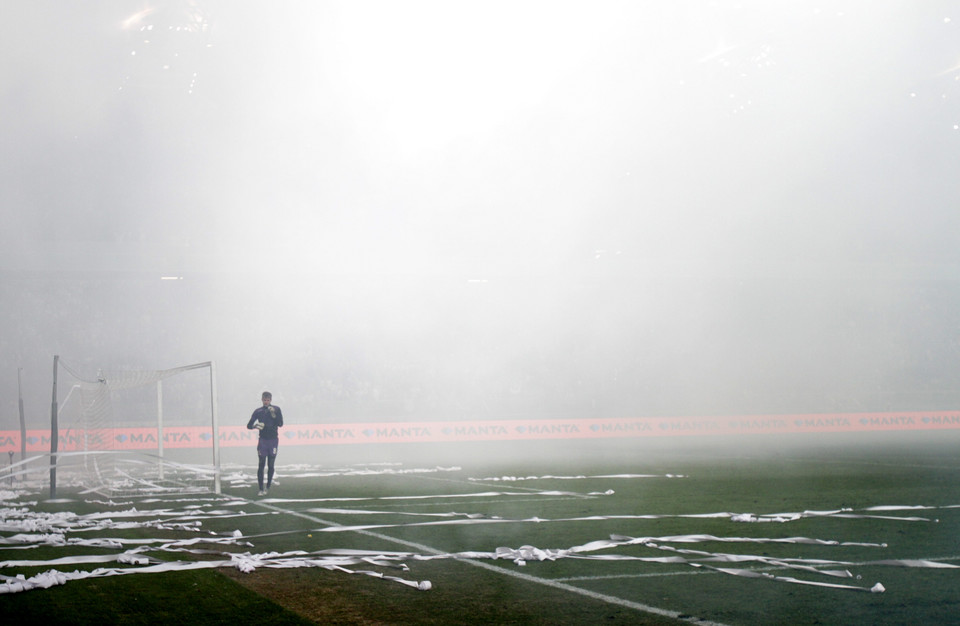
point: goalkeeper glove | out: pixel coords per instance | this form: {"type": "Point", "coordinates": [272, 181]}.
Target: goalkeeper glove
{"type": "Point", "coordinates": [258, 425]}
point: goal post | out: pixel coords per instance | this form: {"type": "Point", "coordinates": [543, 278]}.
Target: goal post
{"type": "Point", "coordinates": [89, 430]}
{"type": "Point", "coordinates": [214, 417]}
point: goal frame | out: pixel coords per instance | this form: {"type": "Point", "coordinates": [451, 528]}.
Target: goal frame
{"type": "Point", "coordinates": [214, 422]}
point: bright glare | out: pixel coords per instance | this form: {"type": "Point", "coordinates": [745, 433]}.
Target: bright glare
{"type": "Point", "coordinates": [432, 72]}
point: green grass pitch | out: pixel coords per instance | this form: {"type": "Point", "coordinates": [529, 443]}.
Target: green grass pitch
{"type": "Point", "coordinates": [633, 532]}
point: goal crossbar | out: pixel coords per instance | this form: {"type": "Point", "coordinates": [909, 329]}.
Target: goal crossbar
{"type": "Point", "coordinates": [98, 388]}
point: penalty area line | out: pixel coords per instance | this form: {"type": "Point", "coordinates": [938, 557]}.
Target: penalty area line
{"type": "Point", "coordinates": [637, 606]}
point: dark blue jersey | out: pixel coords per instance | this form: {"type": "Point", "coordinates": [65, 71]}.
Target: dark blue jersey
{"type": "Point", "coordinates": [272, 419]}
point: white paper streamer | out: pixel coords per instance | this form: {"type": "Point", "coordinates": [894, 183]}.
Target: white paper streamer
{"type": "Point", "coordinates": [30, 529]}
{"type": "Point", "coordinates": [510, 479]}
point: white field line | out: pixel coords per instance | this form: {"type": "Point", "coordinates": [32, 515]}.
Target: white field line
{"type": "Point", "coordinates": [700, 572]}
{"type": "Point", "coordinates": [690, 572]}
{"type": "Point", "coordinates": [498, 485]}
{"type": "Point", "coordinates": [447, 504]}
{"type": "Point", "coordinates": [644, 608]}
{"type": "Point", "coordinates": [823, 461]}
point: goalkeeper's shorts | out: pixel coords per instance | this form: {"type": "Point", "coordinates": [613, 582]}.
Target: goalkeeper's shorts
{"type": "Point", "coordinates": [267, 447]}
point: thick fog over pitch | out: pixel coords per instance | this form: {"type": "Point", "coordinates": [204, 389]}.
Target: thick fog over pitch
{"type": "Point", "coordinates": [405, 210]}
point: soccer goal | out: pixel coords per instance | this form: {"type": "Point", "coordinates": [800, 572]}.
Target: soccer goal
{"type": "Point", "coordinates": [109, 429]}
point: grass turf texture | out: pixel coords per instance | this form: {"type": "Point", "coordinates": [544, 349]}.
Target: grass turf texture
{"type": "Point", "coordinates": [834, 473]}
{"type": "Point", "coordinates": [189, 597]}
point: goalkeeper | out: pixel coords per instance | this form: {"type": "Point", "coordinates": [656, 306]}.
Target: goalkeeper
{"type": "Point", "coordinates": [267, 419]}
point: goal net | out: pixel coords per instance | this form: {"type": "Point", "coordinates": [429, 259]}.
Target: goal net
{"type": "Point", "coordinates": [110, 429]}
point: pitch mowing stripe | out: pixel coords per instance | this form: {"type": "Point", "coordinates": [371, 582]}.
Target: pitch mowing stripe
{"type": "Point", "coordinates": [645, 608]}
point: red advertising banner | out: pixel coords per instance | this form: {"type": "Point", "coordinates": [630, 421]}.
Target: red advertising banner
{"type": "Point", "coordinates": [123, 438]}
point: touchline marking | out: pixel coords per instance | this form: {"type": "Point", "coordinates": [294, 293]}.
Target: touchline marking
{"type": "Point", "coordinates": [852, 462]}
{"type": "Point", "coordinates": [693, 572]}
{"type": "Point", "coordinates": [703, 572]}
{"type": "Point", "coordinates": [447, 504]}
{"type": "Point", "coordinates": [645, 608]}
